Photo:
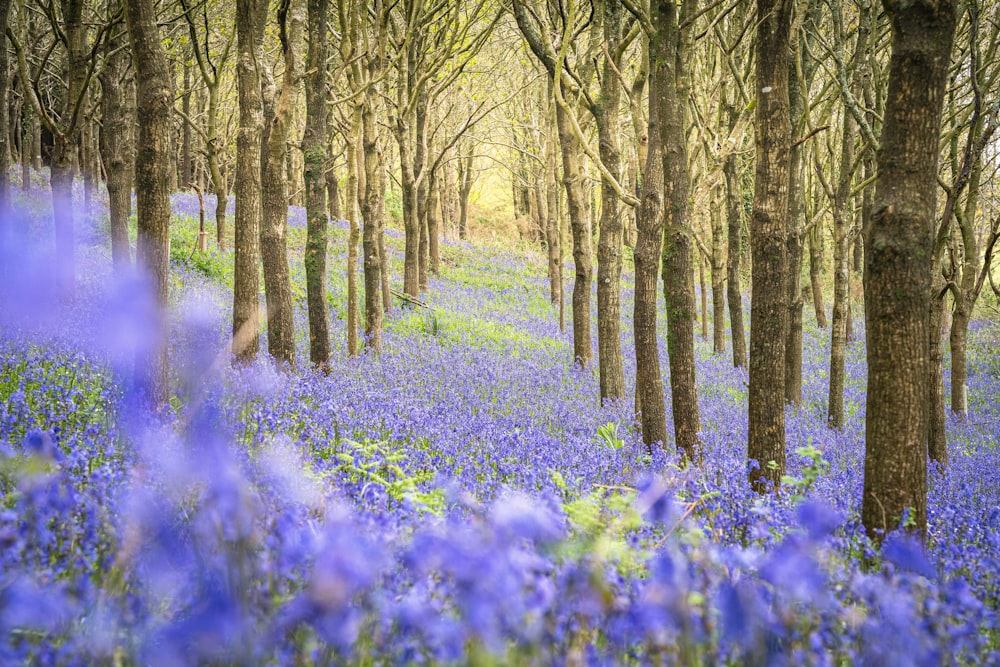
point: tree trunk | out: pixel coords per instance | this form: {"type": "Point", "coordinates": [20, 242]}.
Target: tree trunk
{"type": "Point", "coordinates": [579, 221]}
{"type": "Point", "coordinates": [220, 186]}
{"type": "Point", "coordinates": [678, 284]}
{"type": "Point", "coordinates": [841, 276]}
{"type": "Point", "coordinates": [153, 162]}
{"type": "Point", "coordinates": [793, 246]}
{"type": "Point", "coordinates": [609, 246]}
{"type": "Point", "coordinates": [372, 212]}
{"type": "Point", "coordinates": [464, 188]}
{"type": "Point", "coordinates": [354, 159]}
{"type": "Point", "coordinates": [274, 198]}
{"type": "Point", "coordinates": [734, 234]}
{"type": "Point", "coordinates": [116, 146]}
{"type": "Point", "coordinates": [187, 166]}
{"type": "Point", "coordinates": [769, 308]}
{"type": "Point", "coordinates": [648, 251]}
{"type": "Point", "coordinates": [898, 268]}
{"type": "Point", "coordinates": [718, 280]}
{"type": "Point", "coordinates": [815, 269]}
{"type": "Point", "coordinates": [552, 231]}
{"type": "Point", "coordinates": [937, 446]}
{"type": "Point", "coordinates": [434, 205]}
{"type": "Point", "coordinates": [5, 205]}
{"type": "Point", "coordinates": [313, 173]}
{"type": "Point", "coordinates": [246, 292]}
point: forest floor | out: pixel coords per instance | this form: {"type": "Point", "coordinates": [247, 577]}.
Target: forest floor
{"type": "Point", "coordinates": [461, 498]}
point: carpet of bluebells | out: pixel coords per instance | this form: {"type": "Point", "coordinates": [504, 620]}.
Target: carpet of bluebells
{"type": "Point", "coordinates": [462, 499]}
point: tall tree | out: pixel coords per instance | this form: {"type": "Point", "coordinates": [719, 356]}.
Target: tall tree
{"type": "Point", "coordinates": [648, 253]}
{"type": "Point", "coordinates": [768, 308]}
{"type": "Point", "coordinates": [314, 155]}
{"type": "Point", "coordinates": [246, 291]}
{"type": "Point", "coordinates": [898, 249]}
{"type": "Point", "coordinates": [117, 121]}
{"type": "Point", "coordinates": [273, 231]}
{"type": "Point", "coordinates": [153, 163]}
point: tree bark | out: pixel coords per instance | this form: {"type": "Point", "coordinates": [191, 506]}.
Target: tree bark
{"type": "Point", "coordinates": [274, 199]}
{"type": "Point", "coordinates": [734, 236]}
{"type": "Point", "coordinates": [579, 221]}
{"type": "Point", "coordinates": [718, 280]}
{"type": "Point", "coordinates": [314, 157]}
{"type": "Point", "coordinates": [117, 122]}
{"type": "Point", "coordinates": [354, 159]}
{"type": "Point", "coordinates": [815, 270]}
{"type": "Point", "coordinates": [372, 211]}
{"type": "Point", "coordinates": [648, 252]}
{"type": "Point", "coordinates": [610, 227]}
{"type": "Point", "coordinates": [5, 205]}
{"type": "Point", "coordinates": [678, 273]}
{"type": "Point", "coordinates": [153, 164]}
{"type": "Point", "coordinates": [246, 292]}
{"type": "Point", "coordinates": [769, 308]}
{"type": "Point", "coordinates": [898, 268]}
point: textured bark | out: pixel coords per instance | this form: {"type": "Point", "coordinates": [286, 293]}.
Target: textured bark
{"type": "Point", "coordinates": [678, 274]}
{"type": "Point", "coordinates": [648, 250]}
{"type": "Point", "coordinates": [274, 199]}
{"type": "Point", "coordinates": [610, 227]}
{"type": "Point", "coordinates": [734, 236]}
{"type": "Point", "coordinates": [841, 276]}
{"type": "Point", "coordinates": [769, 308]}
{"type": "Point", "coordinates": [372, 210]}
{"type": "Point", "coordinates": [384, 258]}
{"type": "Point", "coordinates": [314, 158]}
{"type": "Point", "coordinates": [117, 122]}
{"type": "Point", "coordinates": [434, 206]}
{"type": "Point", "coordinates": [898, 267]}
{"type": "Point", "coordinates": [246, 292]}
{"type": "Point", "coordinates": [937, 447]}
{"type": "Point", "coordinates": [793, 247]}
{"type": "Point", "coordinates": [579, 222]}
{"type": "Point", "coordinates": [153, 164]}
{"type": "Point", "coordinates": [815, 271]}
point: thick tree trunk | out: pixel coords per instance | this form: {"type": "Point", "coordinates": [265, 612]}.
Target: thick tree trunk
{"type": "Point", "coordinates": [678, 274]}
{"type": "Point", "coordinates": [116, 146]}
{"type": "Point", "coordinates": [769, 308]}
{"type": "Point", "coordinates": [898, 268]}
{"type": "Point", "coordinates": [313, 173]}
{"type": "Point", "coordinates": [246, 292]}
{"type": "Point", "coordinates": [734, 235]}
{"type": "Point", "coordinates": [153, 162]}
{"type": "Point", "coordinates": [274, 199]}
{"type": "Point", "coordinates": [609, 246]}
{"type": "Point", "coordinates": [648, 252]}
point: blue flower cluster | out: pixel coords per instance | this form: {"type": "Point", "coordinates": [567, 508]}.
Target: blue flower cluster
{"type": "Point", "coordinates": [447, 502]}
